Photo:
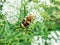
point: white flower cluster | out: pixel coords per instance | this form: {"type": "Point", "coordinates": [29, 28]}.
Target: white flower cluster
{"type": "Point", "coordinates": [36, 12]}
{"type": "Point", "coordinates": [37, 40]}
{"type": "Point", "coordinates": [30, 6]}
{"type": "Point", "coordinates": [11, 10]}
{"type": "Point", "coordinates": [45, 2]}
{"type": "Point", "coordinates": [54, 38]}
{"type": "Point", "coordinates": [14, 3]}
{"type": "Point", "coordinates": [1, 4]}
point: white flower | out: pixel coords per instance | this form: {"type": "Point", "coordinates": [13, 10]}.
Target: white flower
{"type": "Point", "coordinates": [8, 9]}
{"type": "Point", "coordinates": [15, 3]}
{"type": "Point", "coordinates": [49, 36]}
{"type": "Point", "coordinates": [52, 40]}
{"type": "Point", "coordinates": [5, 8]}
{"type": "Point", "coordinates": [58, 33]}
{"type": "Point", "coordinates": [54, 35]}
{"type": "Point", "coordinates": [11, 13]}
{"type": "Point", "coordinates": [38, 40]}
{"type": "Point", "coordinates": [42, 1]}
{"type": "Point", "coordinates": [45, 2]}
{"type": "Point", "coordinates": [35, 38]}
{"type": "Point", "coordinates": [48, 41]}
{"type": "Point", "coordinates": [1, 3]}
{"type": "Point", "coordinates": [10, 1]}
{"type": "Point", "coordinates": [59, 38]}
{"type": "Point", "coordinates": [58, 41]}
{"type": "Point", "coordinates": [48, 3]}
{"type": "Point", "coordinates": [12, 20]}
{"type": "Point", "coordinates": [30, 6]}
{"type": "Point", "coordinates": [55, 43]}
{"type": "Point", "coordinates": [41, 9]}
{"type": "Point", "coordinates": [41, 41]}
{"type": "Point", "coordinates": [34, 43]}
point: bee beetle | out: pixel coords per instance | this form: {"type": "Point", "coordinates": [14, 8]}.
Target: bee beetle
{"type": "Point", "coordinates": [27, 20]}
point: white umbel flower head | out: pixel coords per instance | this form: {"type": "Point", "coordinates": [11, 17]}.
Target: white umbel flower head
{"type": "Point", "coordinates": [53, 38]}
{"type": "Point", "coordinates": [48, 3]}
{"type": "Point", "coordinates": [54, 35]}
{"type": "Point", "coordinates": [58, 33]}
{"type": "Point", "coordinates": [48, 41]}
{"type": "Point", "coordinates": [41, 1]}
{"type": "Point", "coordinates": [1, 3]}
{"type": "Point", "coordinates": [49, 36]}
{"type": "Point", "coordinates": [45, 2]}
{"type": "Point", "coordinates": [15, 3]}
{"type": "Point", "coordinates": [11, 13]}
{"type": "Point", "coordinates": [30, 6]}
{"type": "Point", "coordinates": [55, 43]}
{"type": "Point", "coordinates": [5, 8]}
{"type": "Point", "coordinates": [37, 40]}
